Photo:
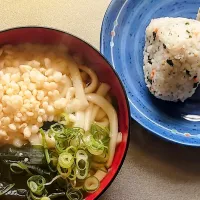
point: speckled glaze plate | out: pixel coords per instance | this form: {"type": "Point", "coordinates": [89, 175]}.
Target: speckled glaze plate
{"type": "Point", "coordinates": [122, 43]}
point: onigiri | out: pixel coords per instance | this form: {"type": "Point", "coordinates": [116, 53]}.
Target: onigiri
{"type": "Point", "coordinates": [172, 58]}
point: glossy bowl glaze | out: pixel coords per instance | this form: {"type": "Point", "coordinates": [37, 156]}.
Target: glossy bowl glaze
{"type": "Point", "coordinates": [104, 71]}
{"type": "Point", "coordinates": [122, 43]}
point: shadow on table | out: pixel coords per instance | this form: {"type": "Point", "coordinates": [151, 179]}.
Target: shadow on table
{"type": "Point", "coordinates": [154, 164]}
{"type": "Point", "coordinates": [183, 160]}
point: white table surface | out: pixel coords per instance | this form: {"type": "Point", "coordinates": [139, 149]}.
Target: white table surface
{"type": "Point", "coordinates": [153, 169]}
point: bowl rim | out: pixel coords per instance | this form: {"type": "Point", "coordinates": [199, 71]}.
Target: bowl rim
{"type": "Point", "coordinates": [118, 78]}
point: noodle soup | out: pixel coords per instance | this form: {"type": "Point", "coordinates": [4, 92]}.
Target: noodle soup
{"type": "Point", "coordinates": [54, 105]}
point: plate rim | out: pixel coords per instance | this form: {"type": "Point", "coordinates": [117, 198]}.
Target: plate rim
{"type": "Point", "coordinates": [135, 114]}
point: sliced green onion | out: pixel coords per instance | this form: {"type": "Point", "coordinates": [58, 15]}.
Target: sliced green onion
{"type": "Point", "coordinates": [57, 128]}
{"type": "Point", "coordinates": [28, 196]}
{"type": "Point", "coordinates": [64, 172]}
{"type": "Point", "coordinates": [54, 157]}
{"type": "Point", "coordinates": [33, 186]}
{"type": "Point", "coordinates": [60, 145]}
{"type": "Point", "coordinates": [81, 154]}
{"type": "Point", "coordinates": [45, 198]}
{"type": "Point", "coordinates": [91, 184]}
{"type": "Point", "coordinates": [72, 150]}
{"type": "Point", "coordinates": [81, 164]}
{"type": "Point", "coordinates": [72, 176]}
{"type": "Point", "coordinates": [50, 133]}
{"type": "Point", "coordinates": [86, 138]}
{"type": "Point", "coordinates": [44, 144]}
{"type": "Point", "coordinates": [100, 133]}
{"type": "Point", "coordinates": [82, 161]}
{"type": "Point", "coordinates": [65, 160]}
{"type": "Point", "coordinates": [73, 194]}
{"type": "Point", "coordinates": [53, 161]}
{"type": "Point", "coordinates": [7, 188]}
{"type": "Point", "coordinates": [36, 184]}
{"type": "Point", "coordinates": [74, 132]}
{"type": "Point", "coordinates": [76, 151]}
{"type": "Point", "coordinates": [82, 174]}
{"type": "Point", "coordinates": [34, 197]}
{"type": "Point", "coordinates": [94, 151]}
{"type": "Point", "coordinates": [46, 152]}
{"type": "Point", "coordinates": [75, 142]}
{"type": "Point", "coordinates": [95, 148]}
{"type": "Point", "coordinates": [20, 168]}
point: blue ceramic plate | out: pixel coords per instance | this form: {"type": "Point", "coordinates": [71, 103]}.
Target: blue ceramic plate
{"type": "Point", "coordinates": [122, 42]}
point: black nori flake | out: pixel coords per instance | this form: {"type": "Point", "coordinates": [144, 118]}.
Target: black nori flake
{"type": "Point", "coordinates": [170, 62]}
{"type": "Point", "coordinates": [195, 85]}
{"type": "Point", "coordinates": [194, 77]}
{"type": "Point", "coordinates": [164, 46]}
{"type": "Point", "coordinates": [154, 36]}
{"type": "Point", "coordinates": [149, 60]}
{"type": "Point", "coordinates": [188, 72]}
{"type": "Point", "coordinates": [187, 23]}
{"type": "Point", "coordinates": [149, 80]}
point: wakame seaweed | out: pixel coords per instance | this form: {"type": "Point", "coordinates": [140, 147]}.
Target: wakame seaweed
{"type": "Point", "coordinates": [34, 157]}
{"type": "Point", "coordinates": [46, 125]}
